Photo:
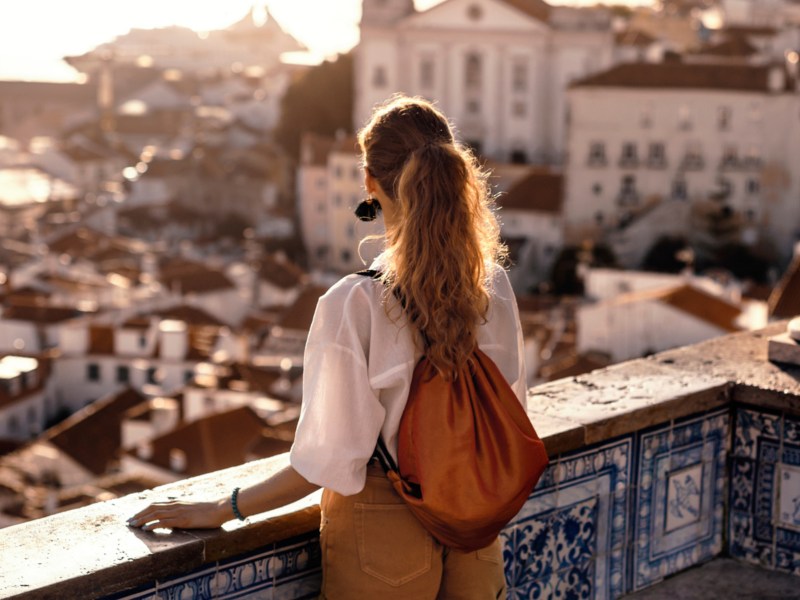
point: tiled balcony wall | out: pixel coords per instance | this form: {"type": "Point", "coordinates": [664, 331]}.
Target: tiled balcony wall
{"type": "Point", "coordinates": [657, 464]}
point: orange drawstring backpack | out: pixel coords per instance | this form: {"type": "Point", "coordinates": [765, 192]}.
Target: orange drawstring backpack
{"type": "Point", "coordinates": [468, 456]}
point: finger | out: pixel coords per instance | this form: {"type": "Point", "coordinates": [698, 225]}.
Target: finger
{"type": "Point", "coordinates": [151, 513]}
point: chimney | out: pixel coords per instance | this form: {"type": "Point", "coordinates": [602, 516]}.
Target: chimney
{"type": "Point", "coordinates": [776, 79]}
{"type": "Point", "coordinates": [174, 337]}
{"type": "Point", "coordinates": [74, 339]}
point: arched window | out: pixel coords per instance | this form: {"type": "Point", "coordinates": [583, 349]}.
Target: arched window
{"type": "Point", "coordinates": [473, 71]}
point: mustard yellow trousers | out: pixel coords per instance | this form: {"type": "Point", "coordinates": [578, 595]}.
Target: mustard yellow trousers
{"type": "Point", "coordinates": [374, 548]}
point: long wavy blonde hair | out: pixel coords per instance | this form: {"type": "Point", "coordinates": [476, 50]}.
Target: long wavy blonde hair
{"type": "Point", "coordinates": [446, 236]}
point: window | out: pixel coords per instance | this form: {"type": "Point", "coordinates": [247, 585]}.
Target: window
{"type": "Point", "coordinates": [693, 159]}
{"type": "Point", "coordinates": [684, 118]}
{"type": "Point", "coordinates": [337, 200]}
{"type": "Point", "coordinates": [752, 158]}
{"type": "Point", "coordinates": [724, 118]}
{"type": "Point", "coordinates": [346, 256]}
{"type": "Point", "coordinates": [628, 157]}
{"type": "Point", "coordinates": [93, 372]}
{"type": "Point", "coordinates": [351, 231]}
{"type": "Point", "coordinates": [473, 71]}
{"type": "Point", "coordinates": [627, 191]}
{"type": "Point", "coordinates": [646, 116]}
{"type": "Point", "coordinates": [679, 190]}
{"type": "Point", "coordinates": [379, 77]}
{"type": "Point", "coordinates": [356, 173]}
{"type": "Point", "coordinates": [188, 376]}
{"type": "Point", "coordinates": [426, 73]}
{"type": "Point", "coordinates": [151, 375]}
{"type": "Point", "coordinates": [518, 109]}
{"type": "Point", "coordinates": [473, 107]}
{"type": "Point", "coordinates": [519, 75]}
{"type": "Point", "coordinates": [753, 186]}
{"type": "Point", "coordinates": [656, 156]}
{"type": "Point", "coordinates": [142, 341]}
{"type": "Point", "coordinates": [519, 157]}
{"type": "Point", "coordinates": [730, 157]}
{"type": "Point", "coordinates": [755, 112]}
{"type": "Point", "coordinates": [597, 189]}
{"type": "Point", "coordinates": [474, 12]}
{"type": "Point", "coordinates": [723, 188]}
{"type": "Point", "coordinates": [13, 424]}
{"type": "Point", "coordinates": [123, 374]}
{"type": "Point", "coordinates": [337, 171]}
{"type": "Point", "coordinates": [597, 154]}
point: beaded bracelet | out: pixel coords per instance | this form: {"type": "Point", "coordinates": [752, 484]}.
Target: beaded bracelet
{"type": "Point", "coordinates": [235, 506]}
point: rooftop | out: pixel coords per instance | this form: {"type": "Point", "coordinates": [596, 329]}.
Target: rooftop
{"type": "Point", "coordinates": [680, 75]}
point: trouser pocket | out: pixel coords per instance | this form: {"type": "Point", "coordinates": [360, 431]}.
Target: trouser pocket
{"type": "Point", "coordinates": [392, 545]}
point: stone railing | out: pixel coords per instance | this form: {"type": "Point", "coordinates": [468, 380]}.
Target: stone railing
{"type": "Point", "coordinates": [656, 465]}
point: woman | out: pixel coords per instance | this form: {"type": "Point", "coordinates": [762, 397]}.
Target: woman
{"type": "Point", "coordinates": [439, 275]}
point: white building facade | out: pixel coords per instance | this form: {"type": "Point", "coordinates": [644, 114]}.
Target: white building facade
{"type": "Point", "coordinates": [498, 68]}
{"type": "Point", "coordinates": [724, 136]}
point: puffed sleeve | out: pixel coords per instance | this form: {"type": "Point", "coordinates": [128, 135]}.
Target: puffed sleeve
{"type": "Point", "coordinates": [341, 416]}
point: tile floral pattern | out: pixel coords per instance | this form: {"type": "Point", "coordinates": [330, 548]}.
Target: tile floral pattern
{"type": "Point", "coordinates": [765, 490]}
{"type": "Point", "coordinates": [568, 541]}
{"type": "Point", "coordinates": [680, 496]}
{"type": "Point", "coordinates": [288, 572]}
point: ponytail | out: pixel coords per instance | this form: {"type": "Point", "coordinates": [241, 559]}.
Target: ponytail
{"type": "Point", "coordinates": [446, 234]}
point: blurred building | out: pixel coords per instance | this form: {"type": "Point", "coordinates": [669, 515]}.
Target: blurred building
{"type": "Point", "coordinates": [499, 69]}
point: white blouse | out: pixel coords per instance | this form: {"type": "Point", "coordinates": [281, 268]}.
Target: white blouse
{"type": "Point", "coordinates": [357, 372]}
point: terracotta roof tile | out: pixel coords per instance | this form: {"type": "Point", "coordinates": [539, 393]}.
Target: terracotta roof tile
{"type": "Point", "coordinates": [784, 301]}
{"type": "Point", "coordinates": [190, 315]}
{"type": "Point", "coordinates": [299, 315]}
{"type": "Point", "coordinates": [704, 306]}
{"type": "Point", "coordinates": [750, 30]}
{"type": "Point", "coordinates": [538, 9]}
{"type": "Point", "coordinates": [693, 301]}
{"type": "Point", "coordinates": [634, 37]}
{"type": "Point", "coordinates": [210, 444]}
{"type": "Point", "coordinates": [101, 340]}
{"type": "Point", "coordinates": [282, 273]}
{"type": "Point", "coordinates": [315, 149]}
{"type": "Point", "coordinates": [536, 192]}
{"type": "Point", "coordinates": [743, 77]}
{"type": "Point", "coordinates": [194, 278]}
{"type": "Point", "coordinates": [40, 313]}
{"type": "Point", "coordinates": [347, 144]}
{"type": "Point", "coordinates": [92, 436]}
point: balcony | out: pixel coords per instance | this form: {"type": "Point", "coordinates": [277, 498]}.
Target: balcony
{"type": "Point", "coordinates": [657, 465]}
{"type": "Point", "coordinates": [692, 162]}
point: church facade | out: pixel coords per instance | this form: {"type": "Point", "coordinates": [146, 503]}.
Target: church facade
{"type": "Point", "coordinates": [498, 68]}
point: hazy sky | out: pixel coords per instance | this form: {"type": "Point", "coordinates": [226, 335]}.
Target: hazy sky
{"type": "Point", "coordinates": [35, 34]}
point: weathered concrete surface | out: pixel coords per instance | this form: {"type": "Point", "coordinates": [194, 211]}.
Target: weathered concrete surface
{"type": "Point", "coordinates": [723, 579]}
{"type": "Point", "coordinates": [571, 413]}
{"type": "Point", "coordinates": [91, 552]}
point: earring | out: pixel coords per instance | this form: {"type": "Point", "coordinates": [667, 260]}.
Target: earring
{"type": "Point", "coordinates": [368, 209]}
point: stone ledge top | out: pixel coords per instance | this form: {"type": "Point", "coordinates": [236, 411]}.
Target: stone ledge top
{"type": "Point", "coordinates": [91, 552]}
{"type": "Point", "coordinates": [623, 398]}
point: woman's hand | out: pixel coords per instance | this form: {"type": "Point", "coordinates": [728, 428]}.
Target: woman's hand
{"type": "Point", "coordinates": [281, 487]}
{"type": "Point", "coordinates": [183, 515]}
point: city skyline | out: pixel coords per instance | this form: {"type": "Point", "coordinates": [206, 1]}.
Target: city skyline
{"type": "Point", "coordinates": [32, 47]}
{"type": "Point", "coordinates": [334, 30]}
